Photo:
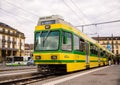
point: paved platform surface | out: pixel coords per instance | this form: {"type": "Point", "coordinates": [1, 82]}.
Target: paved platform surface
{"type": "Point", "coordinates": [108, 75]}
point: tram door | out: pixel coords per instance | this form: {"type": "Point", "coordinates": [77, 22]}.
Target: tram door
{"type": "Point", "coordinates": [87, 52]}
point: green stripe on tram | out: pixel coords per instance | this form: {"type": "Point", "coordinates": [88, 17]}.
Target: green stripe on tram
{"type": "Point", "coordinates": [62, 61]}
{"type": "Point", "coordinates": [93, 60]}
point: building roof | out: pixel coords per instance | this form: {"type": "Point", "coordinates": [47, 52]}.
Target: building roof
{"type": "Point", "coordinates": [7, 26]}
{"type": "Point", "coordinates": [107, 38]}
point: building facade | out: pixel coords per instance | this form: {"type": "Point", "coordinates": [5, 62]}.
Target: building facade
{"type": "Point", "coordinates": [114, 42]}
{"type": "Point", "coordinates": [11, 42]}
{"type": "Point", "coordinates": [28, 49]}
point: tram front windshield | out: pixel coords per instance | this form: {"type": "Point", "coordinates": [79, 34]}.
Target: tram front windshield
{"type": "Point", "coordinates": [46, 40]}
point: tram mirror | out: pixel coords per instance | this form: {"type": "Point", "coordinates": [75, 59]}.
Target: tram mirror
{"type": "Point", "coordinates": [65, 40]}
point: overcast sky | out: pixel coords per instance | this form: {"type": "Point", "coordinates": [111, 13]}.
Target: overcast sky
{"type": "Point", "coordinates": [23, 15]}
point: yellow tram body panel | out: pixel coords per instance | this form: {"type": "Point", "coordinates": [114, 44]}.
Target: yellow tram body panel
{"type": "Point", "coordinates": [75, 66]}
{"type": "Point", "coordinates": [93, 61]}
{"type": "Point", "coordinates": [63, 57]}
{"type": "Point", "coordinates": [73, 62]}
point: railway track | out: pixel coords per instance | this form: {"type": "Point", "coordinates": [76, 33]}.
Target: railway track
{"type": "Point", "coordinates": [28, 79]}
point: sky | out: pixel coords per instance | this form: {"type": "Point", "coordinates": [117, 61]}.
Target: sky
{"type": "Point", "coordinates": [23, 15]}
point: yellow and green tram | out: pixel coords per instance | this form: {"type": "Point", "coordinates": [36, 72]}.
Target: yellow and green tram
{"type": "Point", "coordinates": [60, 47]}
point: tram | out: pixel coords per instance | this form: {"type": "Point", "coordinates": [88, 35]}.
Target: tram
{"type": "Point", "coordinates": [60, 47]}
{"type": "Point", "coordinates": [14, 60]}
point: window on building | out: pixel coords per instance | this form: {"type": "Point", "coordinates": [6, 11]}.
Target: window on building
{"type": "Point", "coordinates": [1, 29]}
{"type": "Point", "coordinates": [0, 41]}
{"type": "Point", "coordinates": [11, 31]}
{"type": "Point", "coordinates": [116, 46]}
{"type": "Point", "coordinates": [6, 37]}
{"type": "Point", "coordinates": [3, 37]}
{"type": "Point", "coordinates": [108, 42]}
{"type": "Point", "coordinates": [117, 52]}
{"type": "Point", "coordinates": [103, 43]}
{"type": "Point", "coordinates": [6, 30]}
{"type": "Point", "coordinates": [0, 37]}
{"type": "Point", "coordinates": [112, 51]}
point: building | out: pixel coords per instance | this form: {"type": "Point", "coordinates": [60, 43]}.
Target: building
{"type": "Point", "coordinates": [113, 41]}
{"type": "Point", "coordinates": [11, 42]}
{"type": "Point", "coordinates": [28, 49]}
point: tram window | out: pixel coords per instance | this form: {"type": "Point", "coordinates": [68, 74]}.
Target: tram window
{"type": "Point", "coordinates": [96, 51]}
{"type": "Point", "coordinates": [82, 45]}
{"type": "Point", "coordinates": [67, 41]}
{"type": "Point", "coordinates": [76, 43]}
{"type": "Point", "coordinates": [47, 22]}
{"type": "Point", "coordinates": [106, 54]}
{"type": "Point", "coordinates": [93, 49]}
{"type": "Point", "coordinates": [102, 54]}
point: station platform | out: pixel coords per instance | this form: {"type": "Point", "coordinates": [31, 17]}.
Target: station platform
{"type": "Point", "coordinates": [11, 68]}
{"type": "Point", "coordinates": [107, 75]}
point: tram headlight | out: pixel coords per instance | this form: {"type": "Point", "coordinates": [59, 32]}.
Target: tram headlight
{"type": "Point", "coordinates": [38, 57]}
{"type": "Point", "coordinates": [47, 26]}
{"type": "Point", "coordinates": [54, 57]}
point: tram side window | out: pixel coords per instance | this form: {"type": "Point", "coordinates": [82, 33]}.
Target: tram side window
{"type": "Point", "coordinates": [82, 45]}
{"type": "Point", "coordinates": [67, 41]}
{"type": "Point", "coordinates": [93, 49]}
{"type": "Point", "coordinates": [106, 54]}
{"type": "Point", "coordinates": [76, 43]}
{"type": "Point", "coordinates": [102, 54]}
{"type": "Point", "coordinates": [96, 51]}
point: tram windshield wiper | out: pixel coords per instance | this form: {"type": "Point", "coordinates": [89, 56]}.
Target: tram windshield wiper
{"type": "Point", "coordinates": [45, 38]}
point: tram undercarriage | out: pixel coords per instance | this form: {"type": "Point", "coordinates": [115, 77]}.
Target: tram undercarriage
{"type": "Point", "coordinates": [51, 68]}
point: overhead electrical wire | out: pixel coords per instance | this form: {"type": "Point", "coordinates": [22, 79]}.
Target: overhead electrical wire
{"type": "Point", "coordinates": [108, 12]}
{"type": "Point", "coordinates": [67, 6]}
{"type": "Point", "coordinates": [84, 15]}
{"type": "Point", "coordinates": [29, 12]}
{"type": "Point", "coordinates": [7, 20]}
{"type": "Point", "coordinates": [7, 14]}
{"type": "Point", "coordinates": [16, 15]}
{"type": "Point", "coordinates": [114, 21]}
{"type": "Point", "coordinates": [72, 10]}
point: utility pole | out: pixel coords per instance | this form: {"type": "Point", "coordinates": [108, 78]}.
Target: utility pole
{"type": "Point", "coordinates": [98, 38]}
{"type": "Point", "coordinates": [112, 43]}
{"type": "Point", "coordinates": [82, 28]}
